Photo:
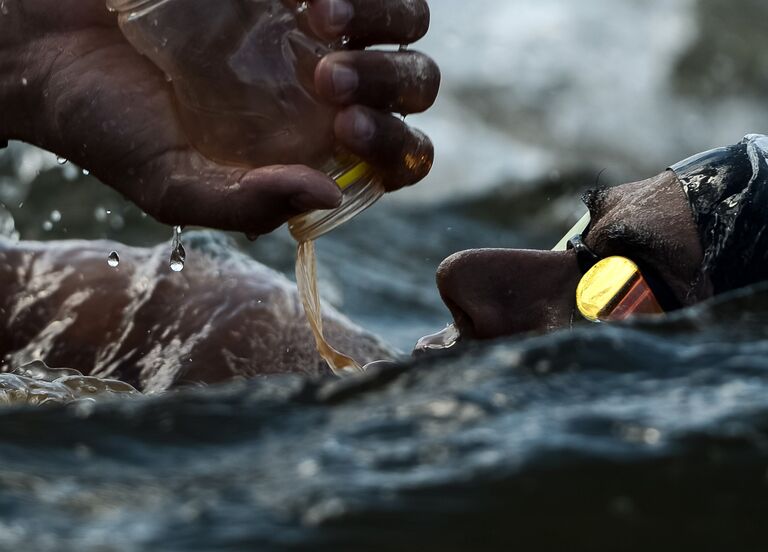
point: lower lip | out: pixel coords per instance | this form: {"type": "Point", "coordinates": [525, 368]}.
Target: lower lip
{"type": "Point", "coordinates": [440, 341]}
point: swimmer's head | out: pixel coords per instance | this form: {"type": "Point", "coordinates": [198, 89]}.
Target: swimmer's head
{"type": "Point", "coordinates": [727, 189]}
{"type": "Point", "coordinates": [699, 227]}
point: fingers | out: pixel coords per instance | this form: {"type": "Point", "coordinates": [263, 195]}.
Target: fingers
{"type": "Point", "coordinates": [400, 82]}
{"type": "Point", "coordinates": [368, 22]}
{"type": "Point", "coordinates": [403, 153]}
{"type": "Point", "coordinates": [190, 190]}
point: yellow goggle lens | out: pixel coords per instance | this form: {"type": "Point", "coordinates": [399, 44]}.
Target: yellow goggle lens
{"type": "Point", "coordinates": [614, 289]}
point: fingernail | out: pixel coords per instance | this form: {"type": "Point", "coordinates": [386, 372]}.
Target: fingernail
{"type": "Point", "coordinates": [345, 80]}
{"type": "Point", "coordinates": [363, 126]}
{"type": "Point", "coordinates": [339, 14]}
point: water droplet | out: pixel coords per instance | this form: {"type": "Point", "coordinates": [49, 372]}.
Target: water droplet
{"type": "Point", "coordinates": [302, 6]}
{"type": "Point", "coordinates": [47, 226]}
{"type": "Point", "coordinates": [113, 260]}
{"type": "Point", "coordinates": [3, 8]}
{"type": "Point", "coordinates": [178, 255]}
{"type": "Point", "coordinates": [402, 48]}
{"type": "Point", "coordinates": [24, 81]}
{"type": "Point", "coordinates": [61, 160]}
{"type": "Point", "coordinates": [86, 172]}
{"type": "Point", "coordinates": [55, 216]}
{"type": "Point", "coordinates": [345, 40]}
{"type": "Point", "coordinates": [442, 340]}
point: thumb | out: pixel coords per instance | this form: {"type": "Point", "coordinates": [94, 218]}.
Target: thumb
{"type": "Point", "coordinates": [184, 188]}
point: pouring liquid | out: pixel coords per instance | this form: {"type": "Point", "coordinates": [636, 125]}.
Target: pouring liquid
{"type": "Point", "coordinates": [306, 280]}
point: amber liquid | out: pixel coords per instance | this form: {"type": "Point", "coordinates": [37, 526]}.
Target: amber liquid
{"type": "Point", "coordinates": [306, 279]}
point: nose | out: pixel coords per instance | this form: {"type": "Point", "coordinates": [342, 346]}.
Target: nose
{"type": "Point", "coordinates": [497, 292]}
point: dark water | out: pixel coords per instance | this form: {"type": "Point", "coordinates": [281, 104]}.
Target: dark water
{"type": "Point", "coordinates": [651, 436]}
{"type": "Point", "coordinates": [615, 437]}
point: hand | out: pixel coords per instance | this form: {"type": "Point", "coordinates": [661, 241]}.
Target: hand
{"type": "Point", "coordinates": [89, 97]}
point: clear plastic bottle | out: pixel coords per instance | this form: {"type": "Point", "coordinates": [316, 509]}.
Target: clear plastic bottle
{"type": "Point", "coordinates": [243, 74]}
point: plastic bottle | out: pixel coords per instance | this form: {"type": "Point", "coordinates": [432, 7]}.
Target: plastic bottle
{"type": "Point", "coordinates": [243, 74]}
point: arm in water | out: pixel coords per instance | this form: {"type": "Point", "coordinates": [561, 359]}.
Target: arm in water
{"type": "Point", "coordinates": [70, 83]}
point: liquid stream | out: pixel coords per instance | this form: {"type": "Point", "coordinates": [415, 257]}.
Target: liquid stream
{"type": "Point", "coordinates": [306, 280]}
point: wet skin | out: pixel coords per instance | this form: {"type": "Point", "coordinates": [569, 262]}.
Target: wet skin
{"type": "Point", "coordinates": [498, 292]}
{"type": "Point", "coordinates": [72, 84]}
{"type": "Point", "coordinates": [228, 318]}
{"type": "Point", "coordinates": [220, 319]}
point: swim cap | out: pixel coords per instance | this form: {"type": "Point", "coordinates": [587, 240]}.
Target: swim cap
{"type": "Point", "coordinates": [727, 189]}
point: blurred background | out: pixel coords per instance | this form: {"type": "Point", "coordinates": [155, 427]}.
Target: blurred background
{"type": "Point", "coordinates": [540, 100]}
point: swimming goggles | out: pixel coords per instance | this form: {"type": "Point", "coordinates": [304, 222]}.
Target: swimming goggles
{"type": "Point", "coordinates": [614, 288]}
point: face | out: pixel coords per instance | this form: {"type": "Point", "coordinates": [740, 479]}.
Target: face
{"type": "Point", "coordinates": [497, 292]}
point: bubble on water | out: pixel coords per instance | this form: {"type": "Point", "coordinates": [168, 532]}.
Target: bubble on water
{"type": "Point", "coordinates": [113, 260]}
{"type": "Point", "coordinates": [62, 160]}
{"type": "Point", "coordinates": [55, 216]}
{"type": "Point", "coordinates": [178, 255]}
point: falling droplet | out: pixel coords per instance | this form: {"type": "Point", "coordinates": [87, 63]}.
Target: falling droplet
{"type": "Point", "coordinates": [24, 81]}
{"type": "Point", "coordinates": [302, 6]}
{"type": "Point", "coordinates": [345, 40]}
{"type": "Point", "coordinates": [86, 172]}
{"type": "Point", "coordinates": [47, 226]}
{"type": "Point", "coordinates": [61, 160]}
{"type": "Point", "coordinates": [178, 255]}
{"type": "Point", "coordinates": [55, 216]}
{"type": "Point", "coordinates": [113, 260]}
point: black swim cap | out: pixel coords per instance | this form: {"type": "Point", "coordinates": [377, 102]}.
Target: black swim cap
{"type": "Point", "coordinates": [727, 189]}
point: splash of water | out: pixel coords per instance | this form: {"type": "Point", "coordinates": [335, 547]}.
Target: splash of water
{"type": "Point", "coordinates": [442, 340]}
{"type": "Point", "coordinates": [38, 384]}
